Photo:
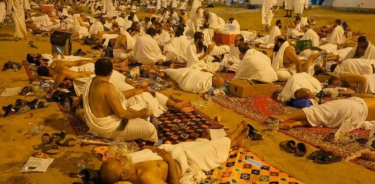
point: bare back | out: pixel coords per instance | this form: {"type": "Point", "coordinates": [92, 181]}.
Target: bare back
{"type": "Point", "coordinates": [99, 105]}
{"type": "Point", "coordinates": [290, 57]}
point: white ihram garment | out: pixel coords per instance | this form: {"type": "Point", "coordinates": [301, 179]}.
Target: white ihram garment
{"type": "Point", "coordinates": [17, 9]}
{"type": "Point", "coordinates": [191, 80]}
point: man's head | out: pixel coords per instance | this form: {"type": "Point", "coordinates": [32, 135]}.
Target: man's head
{"type": "Point", "coordinates": [153, 20]}
{"type": "Point", "coordinates": [151, 31]}
{"type": "Point", "coordinates": [206, 14]}
{"type": "Point", "coordinates": [158, 27]}
{"type": "Point", "coordinates": [103, 67]}
{"type": "Point", "coordinates": [337, 22]}
{"type": "Point", "coordinates": [279, 41]}
{"type": "Point", "coordinates": [362, 42]}
{"type": "Point", "coordinates": [306, 28]}
{"type": "Point", "coordinates": [303, 93]}
{"type": "Point", "coordinates": [238, 40]}
{"type": "Point", "coordinates": [136, 26]}
{"type": "Point", "coordinates": [43, 71]}
{"type": "Point", "coordinates": [66, 84]}
{"type": "Point", "coordinates": [34, 58]}
{"type": "Point", "coordinates": [335, 82]}
{"type": "Point", "coordinates": [115, 169]}
{"type": "Point", "coordinates": [297, 20]}
{"type": "Point", "coordinates": [243, 47]}
{"type": "Point", "coordinates": [147, 19]}
{"type": "Point", "coordinates": [230, 20]}
{"type": "Point", "coordinates": [179, 31]}
{"type": "Point", "coordinates": [172, 10]}
{"type": "Point", "coordinates": [123, 15]}
{"type": "Point", "coordinates": [217, 81]}
{"type": "Point", "coordinates": [131, 18]}
{"type": "Point", "coordinates": [278, 24]}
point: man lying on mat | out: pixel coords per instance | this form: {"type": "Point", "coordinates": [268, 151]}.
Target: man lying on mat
{"type": "Point", "coordinates": [356, 111]}
{"type": "Point", "coordinates": [106, 108]}
{"type": "Point", "coordinates": [51, 60]}
{"type": "Point", "coordinates": [181, 163]}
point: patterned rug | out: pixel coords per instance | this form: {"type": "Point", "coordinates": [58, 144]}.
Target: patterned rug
{"type": "Point", "coordinates": [236, 170]}
{"type": "Point", "coordinates": [30, 73]}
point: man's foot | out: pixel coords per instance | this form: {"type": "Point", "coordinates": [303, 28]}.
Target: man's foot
{"type": "Point", "coordinates": [187, 109]}
{"type": "Point", "coordinates": [237, 132]}
{"type": "Point", "coordinates": [240, 140]}
{"type": "Point", "coordinates": [285, 126]}
{"type": "Point", "coordinates": [180, 105]}
{"type": "Point", "coordinates": [282, 119]}
{"type": "Point", "coordinates": [370, 155]}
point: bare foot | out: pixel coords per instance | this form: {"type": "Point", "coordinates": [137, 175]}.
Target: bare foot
{"type": "Point", "coordinates": [370, 155]}
{"type": "Point", "coordinates": [285, 126]}
{"type": "Point", "coordinates": [180, 105]}
{"type": "Point", "coordinates": [282, 119]}
{"type": "Point", "coordinates": [237, 132]}
{"type": "Point", "coordinates": [187, 109]}
{"type": "Point", "coordinates": [240, 140]}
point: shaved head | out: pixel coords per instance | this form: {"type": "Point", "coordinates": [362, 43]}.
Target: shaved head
{"type": "Point", "coordinates": [110, 171]}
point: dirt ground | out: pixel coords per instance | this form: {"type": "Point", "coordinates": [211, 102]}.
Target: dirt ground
{"type": "Point", "coordinates": [17, 146]}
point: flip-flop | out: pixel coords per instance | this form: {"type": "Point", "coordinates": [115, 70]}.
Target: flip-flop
{"type": "Point", "coordinates": [300, 150]}
{"type": "Point", "coordinates": [46, 139]}
{"type": "Point", "coordinates": [288, 146]}
{"type": "Point", "coordinates": [327, 158]}
{"type": "Point", "coordinates": [58, 136]}
{"type": "Point", "coordinates": [69, 142]}
{"type": "Point", "coordinates": [51, 149]}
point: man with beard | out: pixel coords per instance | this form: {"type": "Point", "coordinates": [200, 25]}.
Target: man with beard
{"type": "Point", "coordinates": [232, 59]}
{"type": "Point", "coordinates": [176, 49]}
{"type": "Point", "coordinates": [198, 55]}
{"type": "Point", "coordinates": [162, 36]}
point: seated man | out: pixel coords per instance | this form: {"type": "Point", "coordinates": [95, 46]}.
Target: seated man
{"type": "Point", "coordinates": [294, 28]}
{"type": "Point", "coordinates": [124, 45]}
{"type": "Point", "coordinates": [255, 65]}
{"type": "Point", "coordinates": [337, 36]}
{"type": "Point", "coordinates": [80, 27]}
{"type": "Point", "coordinates": [355, 82]}
{"type": "Point", "coordinates": [146, 49]}
{"type": "Point", "coordinates": [356, 66]}
{"type": "Point", "coordinates": [270, 39]}
{"type": "Point", "coordinates": [181, 163]}
{"type": "Point", "coordinates": [162, 36]}
{"type": "Point", "coordinates": [363, 50]}
{"type": "Point", "coordinates": [232, 22]}
{"type": "Point", "coordinates": [310, 34]}
{"type": "Point", "coordinates": [176, 49]}
{"type": "Point", "coordinates": [112, 114]}
{"type": "Point", "coordinates": [215, 22]}
{"type": "Point", "coordinates": [297, 82]}
{"type": "Point", "coordinates": [332, 114]}
{"type": "Point", "coordinates": [195, 80]}
{"type": "Point", "coordinates": [232, 60]}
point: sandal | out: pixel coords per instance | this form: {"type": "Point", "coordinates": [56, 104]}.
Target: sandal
{"type": "Point", "coordinates": [288, 146]}
{"type": "Point", "coordinates": [26, 90]}
{"type": "Point", "coordinates": [300, 150]}
{"type": "Point", "coordinates": [51, 149]}
{"type": "Point", "coordinates": [46, 139]}
{"type": "Point", "coordinates": [254, 134]}
{"type": "Point", "coordinates": [42, 105]}
{"type": "Point", "coordinates": [32, 103]}
{"type": "Point", "coordinates": [327, 158]}
{"type": "Point", "coordinates": [69, 142]}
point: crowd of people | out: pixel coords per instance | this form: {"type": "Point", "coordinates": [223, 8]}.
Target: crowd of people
{"type": "Point", "coordinates": [115, 106]}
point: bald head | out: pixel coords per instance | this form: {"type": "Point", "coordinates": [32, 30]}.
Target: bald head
{"type": "Point", "coordinates": [217, 81]}
{"type": "Point", "coordinates": [110, 171]}
{"type": "Point", "coordinates": [302, 93]}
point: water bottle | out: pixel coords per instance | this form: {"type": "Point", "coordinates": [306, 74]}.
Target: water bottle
{"type": "Point", "coordinates": [67, 105]}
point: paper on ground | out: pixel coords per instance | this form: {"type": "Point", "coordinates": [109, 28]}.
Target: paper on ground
{"type": "Point", "coordinates": [36, 165]}
{"type": "Point", "coordinates": [11, 91]}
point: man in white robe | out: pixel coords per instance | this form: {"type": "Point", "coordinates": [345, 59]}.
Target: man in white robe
{"type": "Point", "coordinates": [267, 12]}
{"type": "Point", "coordinates": [363, 50]}
{"type": "Point", "coordinates": [176, 49]}
{"type": "Point", "coordinates": [16, 8]}
{"type": "Point", "coordinates": [232, 26]}
{"type": "Point", "coordinates": [255, 65]}
{"type": "Point", "coordinates": [174, 3]}
{"type": "Point", "coordinates": [146, 49]}
{"type": "Point", "coordinates": [158, 5]}
{"type": "Point", "coordinates": [232, 60]}
{"type": "Point", "coordinates": [288, 5]}
{"type": "Point", "coordinates": [294, 28]}
{"type": "Point", "coordinates": [357, 66]}
{"type": "Point", "coordinates": [215, 22]}
{"type": "Point", "coordinates": [164, 3]}
{"type": "Point", "coordinates": [109, 9]}
{"type": "Point", "coordinates": [310, 34]}
{"type": "Point", "coordinates": [162, 36]}
{"type": "Point", "coordinates": [300, 5]}
{"type": "Point", "coordinates": [270, 39]}
{"type": "Point", "coordinates": [337, 36]}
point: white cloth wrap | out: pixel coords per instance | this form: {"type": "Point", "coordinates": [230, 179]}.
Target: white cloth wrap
{"type": "Point", "coordinates": [191, 80]}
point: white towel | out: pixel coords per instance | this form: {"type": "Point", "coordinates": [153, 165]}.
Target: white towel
{"type": "Point", "coordinates": [311, 35]}
{"type": "Point", "coordinates": [277, 61]}
{"type": "Point", "coordinates": [370, 83]}
{"type": "Point", "coordinates": [298, 81]}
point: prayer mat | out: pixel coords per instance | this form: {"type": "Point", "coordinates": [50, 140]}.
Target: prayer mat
{"type": "Point", "coordinates": [237, 170]}
{"type": "Point", "coordinates": [33, 76]}
{"type": "Point", "coordinates": [368, 164]}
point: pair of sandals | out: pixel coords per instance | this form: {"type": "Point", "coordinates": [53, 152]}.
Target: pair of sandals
{"type": "Point", "coordinates": [290, 146]}
{"type": "Point", "coordinates": [79, 52]}
{"type": "Point", "coordinates": [11, 65]}
{"type": "Point", "coordinates": [323, 157]}
{"type": "Point", "coordinates": [254, 134]}
{"type": "Point", "coordinates": [51, 143]}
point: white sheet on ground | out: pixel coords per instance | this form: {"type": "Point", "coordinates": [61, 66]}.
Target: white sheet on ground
{"type": "Point", "coordinates": [191, 80]}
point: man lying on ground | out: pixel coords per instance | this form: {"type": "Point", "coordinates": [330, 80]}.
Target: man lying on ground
{"type": "Point", "coordinates": [356, 66]}
{"type": "Point", "coordinates": [51, 60]}
{"type": "Point", "coordinates": [332, 114]}
{"type": "Point", "coordinates": [355, 82]}
{"type": "Point", "coordinates": [181, 163]}
{"type": "Point", "coordinates": [111, 113]}
{"type": "Point", "coordinates": [254, 65]}
{"type": "Point", "coordinates": [363, 50]}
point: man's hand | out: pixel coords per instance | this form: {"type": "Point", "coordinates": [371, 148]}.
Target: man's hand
{"type": "Point", "coordinates": [151, 91]}
{"type": "Point", "coordinates": [143, 113]}
{"type": "Point", "coordinates": [165, 155]}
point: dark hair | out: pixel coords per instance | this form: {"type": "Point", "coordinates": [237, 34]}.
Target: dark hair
{"type": "Point", "coordinates": [198, 36]}
{"type": "Point", "coordinates": [180, 31]}
{"type": "Point", "coordinates": [301, 94]}
{"type": "Point", "coordinates": [130, 18]}
{"type": "Point", "coordinates": [231, 19]}
{"type": "Point", "coordinates": [338, 21]}
{"type": "Point", "coordinates": [103, 67]}
{"type": "Point", "coordinates": [42, 71]}
{"type": "Point", "coordinates": [147, 18]}
{"type": "Point", "coordinates": [29, 58]}
{"type": "Point", "coordinates": [281, 40]}
{"type": "Point", "coordinates": [153, 19]}
{"type": "Point", "coordinates": [298, 18]}
{"type": "Point", "coordinates": [332, 79]}
{"type": "Point", "coordinates": [151, 31]}
{"type": "Point", "coordinates": [362, 39]}
{"type": "Point", "coordinates": [278, 22]}
{"type": "Point", "coordinates": [332, 67]}
{"type": "Point", "coordinates": [307, 26]}
{"type": "Point", "coordinates": [243, 47]}
{"type": "Point", "coordinates": [130, 29]}
{"type": "Point", "coordinates": [206, 25]}
{"type": "Point", "coordinates": [241, 38]}
{"type": "Point", "coordinates": [158, 24]}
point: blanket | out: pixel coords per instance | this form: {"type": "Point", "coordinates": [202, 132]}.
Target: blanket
{"type": "Point", "coordinates": [256, 66]}
{"type": "Point", "coordinates": [298, 81]}
{"type": "Point", "coordinates": [191, 80]}
{"type": "Point", "coordinates": [369, 53]}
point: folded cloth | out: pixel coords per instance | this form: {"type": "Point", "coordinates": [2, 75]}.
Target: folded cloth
{"type": "Point", "coordinates": [298, 81]}
{"type": "Point", "coordinates": [193, 157]}
{"type": "Point", "coordinates": [191, 80]}
{"type": "Point", "coordinates": [334, 113]}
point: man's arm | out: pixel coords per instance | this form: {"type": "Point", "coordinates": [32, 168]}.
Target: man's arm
{"type": "Point", "coordinates": [58, 80]}
{"type": "Point", "coordinates": [291, 54]}
{"type": "Point", "coordinates": [360, 80]}
{"type": "Point", "coordinates": [173, 176]}
{"type": "Point", "coordinates": [133, 92]}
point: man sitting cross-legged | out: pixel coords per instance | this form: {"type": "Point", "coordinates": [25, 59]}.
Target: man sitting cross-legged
{"type": "Point", "coordinates": [181, 163]}
{"type": "Point", "coordinates": [107, 109]}
{"type": "Point", "coordinates": [332, 114]}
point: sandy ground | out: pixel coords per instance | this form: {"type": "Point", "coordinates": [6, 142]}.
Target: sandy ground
{"type": "Point", "coordinates": [17, 146]}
